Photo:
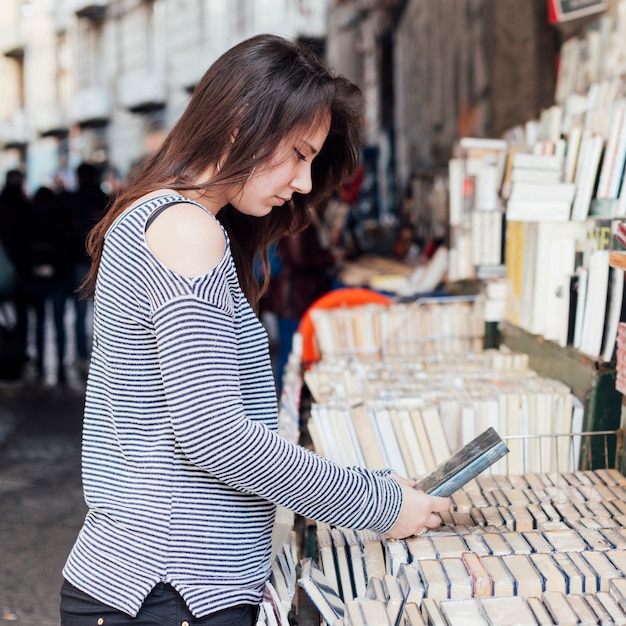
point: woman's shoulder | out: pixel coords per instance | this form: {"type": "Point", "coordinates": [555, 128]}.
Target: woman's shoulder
{"type": "Point", "coordinates": [185, 237]}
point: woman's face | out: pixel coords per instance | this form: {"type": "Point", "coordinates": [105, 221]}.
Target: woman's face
{"type": "Point", "coordinates": [287, 172]}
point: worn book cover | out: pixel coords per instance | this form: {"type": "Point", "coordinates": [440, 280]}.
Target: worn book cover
{"type": "Point", "coordinates": [465, 464]}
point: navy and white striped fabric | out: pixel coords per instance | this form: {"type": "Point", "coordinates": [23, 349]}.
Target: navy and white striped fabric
{"type": "Point", "coordinates": [182, 463]}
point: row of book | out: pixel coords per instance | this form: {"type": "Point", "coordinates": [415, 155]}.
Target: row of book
{"type": "Point", "coordinates": [410, 415]}
{"type": "Point", "coordinates": [561, 285]}
{"type": "Point", "coordinates": [425, 326]}
{"type": "Point", "coordinates": [558, 549]}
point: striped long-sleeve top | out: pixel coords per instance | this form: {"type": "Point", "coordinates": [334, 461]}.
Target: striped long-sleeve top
{"type": "Point", "coordinates": [182, 463]}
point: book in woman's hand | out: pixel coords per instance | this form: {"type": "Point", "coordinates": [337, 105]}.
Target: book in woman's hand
{"type": "Point", "coordinates": [465, 464]}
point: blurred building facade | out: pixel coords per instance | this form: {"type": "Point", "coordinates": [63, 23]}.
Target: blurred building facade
{"type": "Point", "coordinates": [104, 80]}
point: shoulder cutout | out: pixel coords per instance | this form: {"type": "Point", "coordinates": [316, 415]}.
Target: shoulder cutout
{"type": "Point", "coordinates": [187, 239]}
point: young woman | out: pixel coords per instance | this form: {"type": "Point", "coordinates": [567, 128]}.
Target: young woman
{"type": "Point", "coordinates": [182, 463]}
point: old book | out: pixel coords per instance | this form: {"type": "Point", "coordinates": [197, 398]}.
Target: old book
{"type": "Point", "coordinates": [369, 439]}
{"type": "Point", "coordinates": [492, 517]}
{"type": "Point", "coordinates": [503, 581]}
{"type": "Point", "coordinates": [565, 540]}
{"type": "Point", "coordinates": [460, 580]}
{"type": "Point", "coordinates": [558, 606]}
{"type": "Point", "coordinates": [327, 555]}
{"type": "Point", "coordinates": [596, 539]}
{"type": "Point", "coordinates": [318, 588]}
{"type": "Point", "coordinates": [424, 450]}
{"type": "Point", "coordinates": [344, 433]}
{"type": "Point", "coordinates": [421, 547]}
{"type": "Point", "coordinates": [602, 566]}
{"type": "Point", "coordinates": [461, 501]}
{"type": "Point", "coordinates": [540, 612]}
{"type": "Point", "coordinates": [346, 590]}
{"type": "Point", "coordinates": [448, 545]}
{"type": "Point", "coordinates": [535, 201]}
{"type": "Point", "coordinates": [357, 562]}
{"type": "Point", "coordinates": [618, 616]}
{"type": "Point", "coordinates": [591, 580]}
{"type": "Point", "coordinates": [375, 590]}
{"type": "Point", "coordinates": [602, 615]}
{"type": "Point", "coordinates": [507, 517]}
{"type": "Point", "coordinates": [586, 617]}
{"type": "Point", "coordinates": [465, 464]}
{"type": "Point", "coordinates": [366, 612]}
{"type": "Point", "coordinates": [554, 578]}
{"type": "Point", "coordinates": [574, 577]}
{"type": "Point", "coordinates": [273, 602]}
{"type": "Point", "coordinates": [415, 459]}
{"type": "Point", "coordinates": [436, 434]}
{"type": "Point", "coordinates": [396, 554]}
{"type": "Point", "coordinates": [463, 612]}
{"type": "Point", "coordinates": [431, 613]}
{"type": "Point", "coordinates": [611, 155]}
{"type": "Point", "coordinates": [410, 583]}
{"type": "Point", "coordinates": [497, 544]}
{"type": "Point", "coordinates": [391, 449]}
{"type": "Point", "coordinates": [595, 308]}
{"type": "Point", "coordinates": [528, 580]}
{"type": "Point", "coordinates": [394, 598]}
{"type": "Point", "coordinates": [617, 589]}
{"type": "Point", "coordinates": [514, 610]}
{"type": "Point", "coordinates": [411, 615]}
{"type": "Point", "coordinates": [591, 148]}
{"type": "Point", "coordinates": [518, 544]}
{"type": "Point", "coordinates": [482, 583]}
{"type": "Point", "coordinates": [537, 541]}
{"type": "Point", "coordinates": [373, 554]}
{"type": "Point", "coordinates": [436, 583]}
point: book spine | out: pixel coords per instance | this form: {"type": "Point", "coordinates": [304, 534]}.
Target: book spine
{"type": "Point", "coordinates": [470, 471]}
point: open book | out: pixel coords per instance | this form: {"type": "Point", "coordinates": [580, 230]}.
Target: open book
{"type": "Point", "coordinates": [465, 464]}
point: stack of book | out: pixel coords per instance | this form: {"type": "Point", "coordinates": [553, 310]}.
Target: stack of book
{"type": "Point", "coordinates": [520, 549]}
{"type": "Point", "coordinates": [409, 414]}
{"type": "Point", "coordinates": [561, 284]}
{"type": "Point", "coordinates": [538, 191]}
{"type": "Point", "coordinates": [428, 325]}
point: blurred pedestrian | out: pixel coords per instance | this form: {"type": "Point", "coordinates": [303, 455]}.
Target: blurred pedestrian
{"type": "Point", "coordinates": [47, 246]}
{"type": "Point", "coordinates": [14, 208]}
{"type": "Point", "coordinates": [308, 266]}
{"type": "Point", "coordinates": [88, 204]}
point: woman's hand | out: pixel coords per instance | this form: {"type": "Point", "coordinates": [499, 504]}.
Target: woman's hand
{"type": "Point", "coordinates": [419, 510]}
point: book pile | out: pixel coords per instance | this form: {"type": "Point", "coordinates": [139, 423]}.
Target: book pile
{"type": "Point", "coordinates": [474, 206]}
{"type": "Point", "coordinates": [520, 549]}
{"type": "Point", "coordinates": [538, 191]}
{"type": "Point", "coordinates": [561, 284]}
{"type": "Point", "coordinates": [279, 596]}
{"type": "Point", "coordinates": [369, 269]}
{"type": "Point", "coordinates": [449, 324]}
{"type": "Point", "coordinates": [410, 414]}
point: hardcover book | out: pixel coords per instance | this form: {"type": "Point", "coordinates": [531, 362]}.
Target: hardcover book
{"type": "Point", "coordinates": [465, 464]}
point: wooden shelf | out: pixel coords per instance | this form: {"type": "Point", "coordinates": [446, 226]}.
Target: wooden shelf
{"type": "Point", "coordinates": [591, 380]}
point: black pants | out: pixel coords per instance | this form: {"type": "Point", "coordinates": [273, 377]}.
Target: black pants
{"type": "Point", "coordinates": [162, 607]}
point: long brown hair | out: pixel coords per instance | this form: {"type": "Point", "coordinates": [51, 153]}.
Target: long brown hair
{"type": "Point", "coordinates": [259, 92]}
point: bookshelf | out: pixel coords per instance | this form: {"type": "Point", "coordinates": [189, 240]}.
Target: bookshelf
{"type": "Point", "coordinates": [591, 380]}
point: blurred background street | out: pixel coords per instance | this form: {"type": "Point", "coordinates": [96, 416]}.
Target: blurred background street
{"type": "Point", "coordinates": [41, 505]}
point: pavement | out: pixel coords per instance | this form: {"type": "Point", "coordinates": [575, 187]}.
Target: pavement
{"type": "Point", "coordinates": [41, 503]}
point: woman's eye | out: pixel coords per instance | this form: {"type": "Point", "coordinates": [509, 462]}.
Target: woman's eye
{"type": "Point", "coordinates": [299, 154]}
